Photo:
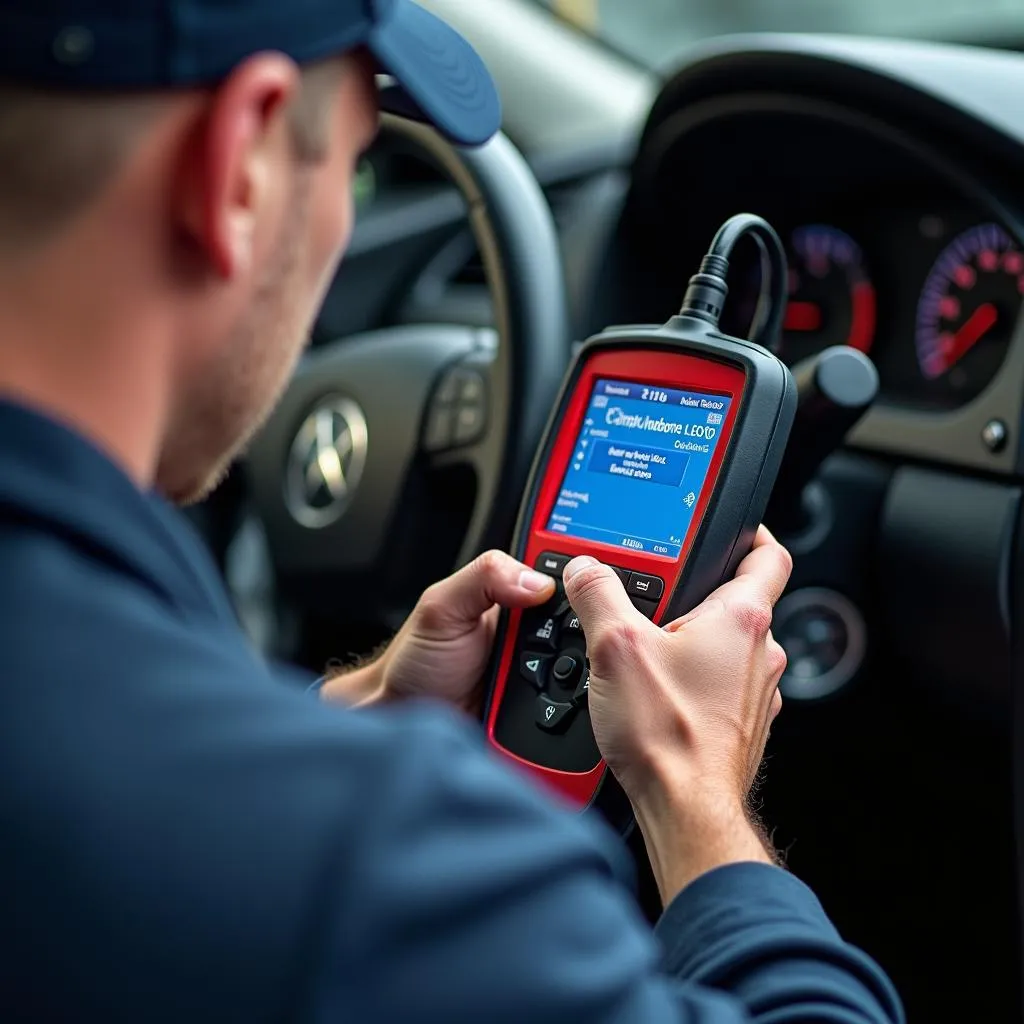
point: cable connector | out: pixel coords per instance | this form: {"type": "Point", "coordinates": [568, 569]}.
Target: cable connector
{"type": "Point", "coordinates": [708, 290]}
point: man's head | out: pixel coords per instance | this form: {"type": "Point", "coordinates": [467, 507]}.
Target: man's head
{"type": "Point", "coordinates": [207, 219]}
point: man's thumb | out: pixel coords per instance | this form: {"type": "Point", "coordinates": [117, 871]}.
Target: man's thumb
{"type": "Point", "coordinates": [597, 596]}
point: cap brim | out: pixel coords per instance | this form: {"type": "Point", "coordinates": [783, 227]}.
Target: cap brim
{"type": "Point", "coordinates": [441, 78]}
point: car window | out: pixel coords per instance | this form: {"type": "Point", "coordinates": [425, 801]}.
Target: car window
{"type": "Point", "coordinates": [651, 31]}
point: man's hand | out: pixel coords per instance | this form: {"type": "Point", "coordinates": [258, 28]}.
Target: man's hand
{"type": "Point", "coordinates": [442, 650]}
{"type": "Point", "coordinates": [681, 714]}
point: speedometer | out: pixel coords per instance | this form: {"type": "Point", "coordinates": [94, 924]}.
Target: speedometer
{"type": "Point", "coordinates": [831, 298]}
{"type": "Point", "coordinates": [968, 310]}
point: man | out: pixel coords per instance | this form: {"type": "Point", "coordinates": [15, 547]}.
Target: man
{"type": "Point", "coordinates": [185, 838]}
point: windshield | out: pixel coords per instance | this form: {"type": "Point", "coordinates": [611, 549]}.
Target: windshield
{"type": "Point", "coordinates": [652, 31]}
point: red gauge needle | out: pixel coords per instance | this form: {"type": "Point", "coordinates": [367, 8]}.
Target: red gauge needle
{"type": "Point", "coordinates": [802, 316]}
{"type": "Point", "coordinates": [980, 322]}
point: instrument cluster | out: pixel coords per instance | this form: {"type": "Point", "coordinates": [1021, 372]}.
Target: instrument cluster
{"type": "Point", "coordinates": [934, 297]}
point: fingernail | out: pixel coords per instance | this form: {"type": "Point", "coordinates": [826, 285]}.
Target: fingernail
{"type": "Point", "coordinates": [577, 565]}
{"type": "Point", "coordinates": [535, 582]}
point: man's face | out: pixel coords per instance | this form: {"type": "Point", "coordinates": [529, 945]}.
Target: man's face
{"type": "Point", "coordinates": [226, 398]}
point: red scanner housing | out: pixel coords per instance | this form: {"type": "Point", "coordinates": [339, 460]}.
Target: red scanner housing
{"type": "Point", "coordinates": [698, 362]}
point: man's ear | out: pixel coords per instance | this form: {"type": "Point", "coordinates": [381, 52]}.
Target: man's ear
{"type": "Point", "coordinates": [236, 150]}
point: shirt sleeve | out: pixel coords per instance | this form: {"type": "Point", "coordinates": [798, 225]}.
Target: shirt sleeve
{"type": "Point", "coordinates": [472, 896]}
{"type": "Point", "coordinates": [761, 934]}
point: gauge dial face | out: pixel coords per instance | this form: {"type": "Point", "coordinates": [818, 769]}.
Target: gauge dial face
{"type": "Point", "coordinates": [968, 310]}
{"type": "Point", "coordinates": [831, 298]}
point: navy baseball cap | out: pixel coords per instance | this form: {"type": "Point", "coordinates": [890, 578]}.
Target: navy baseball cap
{"type": "Point", "coordinates": [153, 44]}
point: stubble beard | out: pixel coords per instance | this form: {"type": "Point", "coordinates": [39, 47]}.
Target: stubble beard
{"type": "Point", "coordinates": [238, 393]}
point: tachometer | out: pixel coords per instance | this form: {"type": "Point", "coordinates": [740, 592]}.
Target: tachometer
{"type": "Point", "coordinates": [968, 310]}
{"type": "Point", "coordinates": [831, 298]}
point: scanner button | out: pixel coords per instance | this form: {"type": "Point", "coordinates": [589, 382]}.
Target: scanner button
{"type": "Point", "coordinates": [571, 625]}
{"type": "Point", "coordinates": [552, 564]}
{"type": "Point", "coordinates": [552, 715]}
{"type": "Point", "coordinates": [579, 698]}
{"type": "Point", "coordinates": [532, 667]}
{"type": "Point", "coordinates": [650, 588]}
{"type": "Point", "coordinates": [542, 630]}
{"type": "Point", "coordinates": [623, 574]}
{"type": "Point", "coordinates": [565, 670]}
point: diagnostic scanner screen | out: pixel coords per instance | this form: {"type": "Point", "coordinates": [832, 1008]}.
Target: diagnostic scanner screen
{"type": "Point", "coordinates": [639, 466]}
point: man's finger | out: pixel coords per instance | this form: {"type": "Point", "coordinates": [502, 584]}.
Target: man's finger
{"type": "Point", "coordinates": [762, 576]}
{"type": "Point", "coordinates": [599, 599]}
{"type": "Point", "coordinates": [492, 578]}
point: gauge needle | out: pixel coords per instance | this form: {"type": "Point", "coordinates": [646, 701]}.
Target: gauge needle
{"type": "Point", "coordinates": [802, 316]}
{"type": "Point", "coordinates": [980, 322]}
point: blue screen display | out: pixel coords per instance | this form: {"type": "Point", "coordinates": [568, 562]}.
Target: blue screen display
{"type": "Point", "coordinates": [639, 466]}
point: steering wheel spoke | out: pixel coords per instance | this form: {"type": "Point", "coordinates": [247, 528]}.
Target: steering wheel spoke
{"type": "Point", "coordinates": [328, 470]}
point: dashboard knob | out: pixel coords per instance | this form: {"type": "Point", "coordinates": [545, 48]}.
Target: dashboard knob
{"type": "Point", "coordinates": [835, 388]}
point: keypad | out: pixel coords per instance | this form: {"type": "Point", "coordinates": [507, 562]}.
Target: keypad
{"type": "Point", "coordinates": [552, 647]}
{"type": "Point", "coordinates": [458, 410]}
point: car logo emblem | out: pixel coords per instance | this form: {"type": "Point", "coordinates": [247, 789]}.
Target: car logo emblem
{"type": "Point", "coordinates": [326, 463]}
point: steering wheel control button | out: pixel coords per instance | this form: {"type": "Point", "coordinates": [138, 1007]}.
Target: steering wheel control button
{"type": "Point", "coordinates": [470, 421]}
{"type": "Point", "coordinates": [650, 588]}
{"type": "Point", "coordinates": [458, 413]}
{"type": "Point", "coordinates": [471, 390]}
{"type": "Point", "coordinates": [646, 608]}
{"type": "Point", "coordinates": [533, 668]}
{"type": "Point", "coordinates": [582, 694]}
{"type": "Point", "coordinates": [565, 670]}
{"type": "Point", "coordinates": [552, 564]}
{"type": "Point", "coordinates": [553, 715]}
{"type": "Point", "coordinates": [542, 632]}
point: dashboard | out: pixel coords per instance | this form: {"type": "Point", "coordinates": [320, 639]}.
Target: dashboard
{"type": "Point", "coordinates": [892, 173]}
{"type": "Point", "coordinates": [894, 248]}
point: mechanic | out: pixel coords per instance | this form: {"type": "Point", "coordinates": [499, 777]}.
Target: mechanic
{"type": "Point", "coordinates": [187, 836]}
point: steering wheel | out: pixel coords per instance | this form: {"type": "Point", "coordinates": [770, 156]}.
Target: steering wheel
{"type": "Point", "coordinates": [398, 454]}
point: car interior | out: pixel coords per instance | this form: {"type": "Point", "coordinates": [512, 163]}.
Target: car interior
{"type": "Point", "coordinates": [890, 159]}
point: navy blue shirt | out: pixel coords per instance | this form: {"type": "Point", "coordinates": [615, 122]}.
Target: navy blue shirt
{"type": "Point", "coordinates": [186, 836]}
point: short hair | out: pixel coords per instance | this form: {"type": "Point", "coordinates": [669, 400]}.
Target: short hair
{"type": "Point", "coordinates": [59, 149]}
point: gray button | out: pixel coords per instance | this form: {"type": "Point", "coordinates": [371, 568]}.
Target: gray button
{"type": "Point", "coordinates": [469, 424]}
{"type": "Point", "coordinates": [472, 391]}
